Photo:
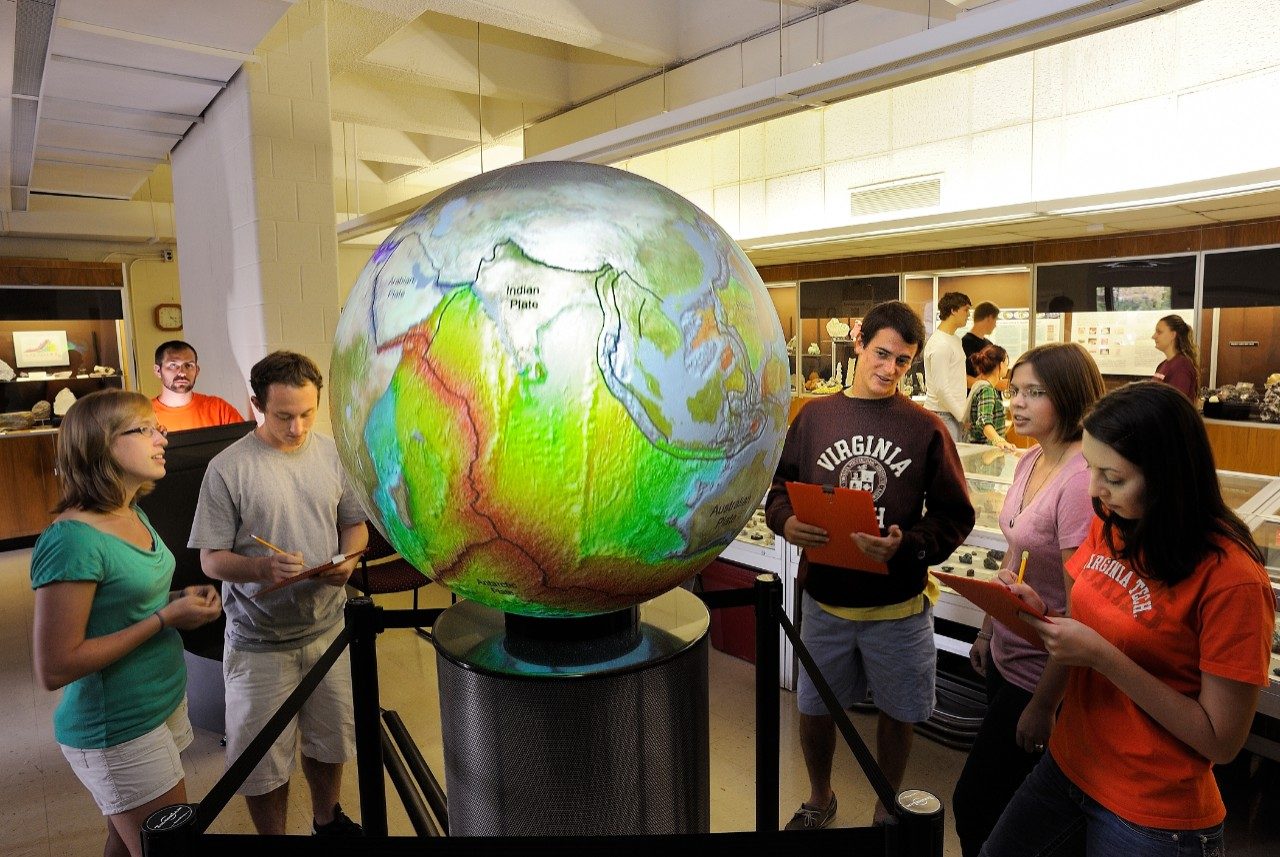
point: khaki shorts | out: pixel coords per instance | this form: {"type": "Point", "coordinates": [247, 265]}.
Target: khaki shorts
{"type": "Point", "coordinates": [128, 775]}
{"type": "Point", "coordinates": [257, 684]}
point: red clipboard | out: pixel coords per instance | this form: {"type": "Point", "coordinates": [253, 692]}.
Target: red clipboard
{"type": "Point", "coordinates": [997, 599]}
{"type": "Point", "coordinates": [306, 575]}
{"type": "Point", "coordinates": [841, 512]}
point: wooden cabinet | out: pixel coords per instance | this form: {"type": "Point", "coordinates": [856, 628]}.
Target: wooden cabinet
{"type": "Point", "coordinates": [1245, 447]}
{"type": "Point", "coordinates": [28, 486]}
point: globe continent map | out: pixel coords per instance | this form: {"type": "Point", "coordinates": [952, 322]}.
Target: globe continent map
{"type": "Point", "coordinates": [559, 388]}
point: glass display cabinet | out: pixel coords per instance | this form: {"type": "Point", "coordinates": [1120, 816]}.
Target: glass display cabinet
{"type": "Point", "coordinates": [1246, 493]}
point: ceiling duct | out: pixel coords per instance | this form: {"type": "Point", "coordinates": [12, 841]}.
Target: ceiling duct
{"type": "Point", "coordinates": [22, 153]}
{"type": "Point", "coordinates": [33, 29]}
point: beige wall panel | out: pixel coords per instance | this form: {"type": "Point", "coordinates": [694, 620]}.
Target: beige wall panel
{"type": "Point", "coordinates": [689, 167]}
{"type": "Point", "coordinates": [1001, 94]}
{"type": "Point", "coordinates": [858, 127]}
{"type": "Point", "coordinates": [794, 202]}
{"type": "Point", "coordinates": [1217, 40]}
{"type": "Point", "coordinates": [595, 117]}
{"type": "Point", "coordinates": [793, 142]}
{"type": "Point", "coordinates": [726, 158]}
{"type": "Point", "coordinates": [933, 109]}
{"type": "Point", "coordinates": [637, 102]}
{"type": "Point", "coordinates": [726, 208]}
{"type": "Point", "coordinates": [751, 146]}
{"type": "Point", "coordinates": [997, 172]}
{"type": "Point", "coordinates": [714, 74]}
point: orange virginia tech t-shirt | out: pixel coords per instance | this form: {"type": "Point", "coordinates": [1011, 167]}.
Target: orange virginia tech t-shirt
{"type": "Point", "coordinates": [1217, 621]}
{"type": "Point", "coordinates": [203, 411]}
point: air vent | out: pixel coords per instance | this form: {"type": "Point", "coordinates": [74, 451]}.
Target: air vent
{"type": "Point", "coordinates": [897, 195]}
{"type": "Point", "coordinates": [22, 139]}
{"type": "Point", "coordinates": [31, 44]}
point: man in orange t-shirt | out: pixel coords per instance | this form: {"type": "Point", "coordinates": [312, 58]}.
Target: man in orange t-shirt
{"type": "Point", "coordinates": [179, 407]}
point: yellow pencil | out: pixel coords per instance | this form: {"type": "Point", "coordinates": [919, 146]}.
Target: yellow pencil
{"type": "Point", "coordinates": [1022, 569]}
{"type": "Point", "coordinates": [267, 544]}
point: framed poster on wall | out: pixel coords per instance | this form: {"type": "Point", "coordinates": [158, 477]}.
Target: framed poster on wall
{"type": "Point", "coordinates": [33, 348]}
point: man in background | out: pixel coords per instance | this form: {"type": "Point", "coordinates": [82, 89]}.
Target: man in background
{"type": "Point", "coordinates": [946, 393]}
{"type": "Point", "coordinates": [179, 407]}
{"type": "Point", "coordinates": [985, 316]}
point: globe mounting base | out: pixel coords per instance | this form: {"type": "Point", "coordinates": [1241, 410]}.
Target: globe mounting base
{"type": "Point", "coordinates": [557, 726]}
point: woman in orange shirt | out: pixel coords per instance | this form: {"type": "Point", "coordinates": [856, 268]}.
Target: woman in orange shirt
{"type": "Point", "coordinates": [1169, 643]}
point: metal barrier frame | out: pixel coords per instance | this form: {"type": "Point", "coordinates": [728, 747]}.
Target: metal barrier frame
{"type": "Point", "coordinates": [915, 828]}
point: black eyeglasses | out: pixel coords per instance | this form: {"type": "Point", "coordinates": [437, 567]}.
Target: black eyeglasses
{"type": "Point", "coordinates": [147, 431]}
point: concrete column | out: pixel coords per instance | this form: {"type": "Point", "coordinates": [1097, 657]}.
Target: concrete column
{"type": "Point", "coordinates": [254, 205]}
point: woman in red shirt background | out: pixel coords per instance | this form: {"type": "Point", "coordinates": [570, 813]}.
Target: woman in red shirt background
{"type": "Point", "coordinates": [1180, 367]}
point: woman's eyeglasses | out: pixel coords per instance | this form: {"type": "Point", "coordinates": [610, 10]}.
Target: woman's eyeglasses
{"type": "Point", "coordinates": [147, 431]}
{"type": "Point", "coordinates": [1011, 392]}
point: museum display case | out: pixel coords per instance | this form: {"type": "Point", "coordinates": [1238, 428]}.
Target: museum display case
{"type": "Point", "coordinates": [56, 345]}
{"type": "Point", "coordinates": [830, 311]}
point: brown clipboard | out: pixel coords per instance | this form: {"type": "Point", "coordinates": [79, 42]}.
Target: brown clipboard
{"type": "Point", "coordinates": [998, 599]}
{"type": "Point", "coordinates": [841, 512]}
{"type": "Point", "coordinates": [308, 574]}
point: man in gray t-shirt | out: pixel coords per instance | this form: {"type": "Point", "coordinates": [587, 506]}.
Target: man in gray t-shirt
{"type": "Point", "coordinates": [284, 485]}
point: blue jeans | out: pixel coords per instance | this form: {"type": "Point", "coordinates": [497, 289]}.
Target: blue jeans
{"type": "Point", "coordinates": [1049, 811]}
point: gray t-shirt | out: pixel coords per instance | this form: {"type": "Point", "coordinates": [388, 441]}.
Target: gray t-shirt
{"type": "Point", "coordinates": [295, 500]}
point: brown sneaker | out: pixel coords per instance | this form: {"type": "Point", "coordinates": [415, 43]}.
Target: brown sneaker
{"type": "Point", "coordinates": [811, 817]}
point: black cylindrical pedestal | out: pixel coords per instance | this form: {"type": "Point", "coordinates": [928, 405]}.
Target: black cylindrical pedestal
{"type": "Point", "coordinates": [587, 727]}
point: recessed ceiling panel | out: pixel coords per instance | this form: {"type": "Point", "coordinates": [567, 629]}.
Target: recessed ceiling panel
{"type": "Point", "coordinates": [100, 138]}
{"type": "Point", "coordinates": [96, 159]}
{"type": "Point", "coordinates": [235, 25]}
{"type": "Point", "coordinates": [124, 88]}
{"type": "Point", "coordinates": [78, 180]}
{"type": "Point", "coordinates": [126, 51]}
{"type": "Point", "coordinates": [101, 114]}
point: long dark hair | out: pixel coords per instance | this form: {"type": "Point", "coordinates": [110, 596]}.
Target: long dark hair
{"type": "Point", "coordinates": [1155, 428]}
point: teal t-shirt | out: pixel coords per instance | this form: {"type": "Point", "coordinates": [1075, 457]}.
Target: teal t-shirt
{"type": "Point", "coordinates": [138, 692]}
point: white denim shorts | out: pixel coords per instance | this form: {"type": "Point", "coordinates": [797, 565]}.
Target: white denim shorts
{"type": "Point", "coordinates": [128, 775]}
{"type": "Point", "coordinates": [257, 684]}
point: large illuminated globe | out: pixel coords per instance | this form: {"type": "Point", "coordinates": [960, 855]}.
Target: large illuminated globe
{"type": "Point", "coordinates": [560, 389]}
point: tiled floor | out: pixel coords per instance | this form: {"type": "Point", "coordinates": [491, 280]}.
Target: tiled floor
{"type": "Point", "coordinates": [44, 811]}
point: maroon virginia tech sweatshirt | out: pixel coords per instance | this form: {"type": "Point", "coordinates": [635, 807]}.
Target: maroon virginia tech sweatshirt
{"type": "Point", "coordinates": [902, 454]}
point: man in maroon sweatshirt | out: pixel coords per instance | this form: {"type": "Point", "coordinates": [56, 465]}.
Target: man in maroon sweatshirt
{"type": "Point", "coordinates": [866, 630]}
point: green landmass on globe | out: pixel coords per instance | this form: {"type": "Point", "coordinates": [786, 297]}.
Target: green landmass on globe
{"type": "Point", "coordinates": [559, 388]}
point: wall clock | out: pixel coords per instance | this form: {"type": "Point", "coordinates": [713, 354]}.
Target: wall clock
{"type": "Point", "coordinates": [169, 316]}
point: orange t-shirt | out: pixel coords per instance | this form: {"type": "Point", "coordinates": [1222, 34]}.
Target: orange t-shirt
{"type": "Point", "coordinates": [202, 411]}
{"type": "Point", "coordinates": [1217, 621]}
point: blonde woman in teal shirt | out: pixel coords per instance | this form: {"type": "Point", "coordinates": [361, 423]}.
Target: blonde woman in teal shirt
{"type": "Point", "coordinates": [105, 619]}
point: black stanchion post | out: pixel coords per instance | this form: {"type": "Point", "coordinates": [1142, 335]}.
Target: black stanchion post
{"type": "Point", "coordinates": [919, 824]}
{"type": "Point", "coordinates": [768, 592]}
{"type": "Point", "coordinates": [170, 831]}
{"type": "Point", "coordinates": [363, 618]}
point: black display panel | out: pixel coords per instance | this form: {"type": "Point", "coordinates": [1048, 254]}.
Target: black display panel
{"type": "Point", "coordinates": [32, 304]}
{"type": "Point", "coordinates": [1243, 278]}
{"type": "Point", "coordinates": [1119, 285]}
{"type": "Point", "coordinates": [851, 297]}
{"type": "Point", "coordinates": [172, 506]}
